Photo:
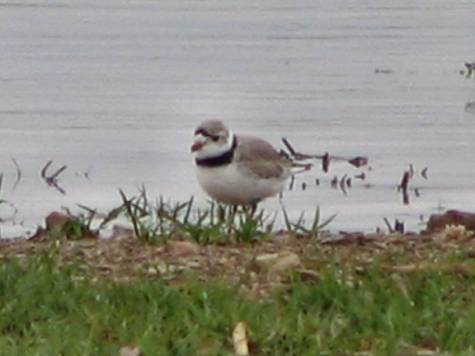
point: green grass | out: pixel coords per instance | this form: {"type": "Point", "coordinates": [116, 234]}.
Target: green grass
{"type": "Point", "coordinates": [50, 310]}
{"type": "Point", "coordinates": [156, 222]}
{"type": "Point", "coordinates": [216, 223]}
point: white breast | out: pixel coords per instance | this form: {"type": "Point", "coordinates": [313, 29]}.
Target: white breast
{"type": "Point", "coordinates": [229, 185]}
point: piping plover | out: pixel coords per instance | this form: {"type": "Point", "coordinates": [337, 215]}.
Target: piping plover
{"type": "Point", "coordinates": [237, 169]}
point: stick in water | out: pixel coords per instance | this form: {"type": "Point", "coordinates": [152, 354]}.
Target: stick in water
{"type": "Point", "coordinates": [357, 161]}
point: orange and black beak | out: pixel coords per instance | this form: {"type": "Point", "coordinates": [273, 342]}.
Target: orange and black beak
{"type": "Point", "coordinates": [198, 145]}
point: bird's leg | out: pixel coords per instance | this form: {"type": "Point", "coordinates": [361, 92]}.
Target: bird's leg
{"type": "Point", "coordinates": [250, 208]}
{"type": "Point", "coordinates": [231, 217]}
{"type": "Point", "coordinates": [253, 209]}
{"type": "Point", "coordinates": [232, 212]}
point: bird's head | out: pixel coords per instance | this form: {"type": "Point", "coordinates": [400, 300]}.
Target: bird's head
{"type": "Point", "coordinates": [212, 138]}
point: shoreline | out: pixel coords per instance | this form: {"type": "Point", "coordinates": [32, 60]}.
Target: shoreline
{"type": "Point", "coordinates": [262, 264]}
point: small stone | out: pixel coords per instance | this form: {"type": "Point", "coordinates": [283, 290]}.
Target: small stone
{"type": "Point", "coordinates": [240, 342]}
{"type": "Point", "coordinates": [120, 232]}
{"type": "Point", "coordinates": [282, 237]}
{"type": "Point", "coordinates": [438, 222]}
{"type": "Point", "coordinates": [266, 259]}
{"type": "Point", "coordinates": [130, 351]}
{"type": "Point", "coordinates": [285, 263]}
{"type": "Point", "coordinates": [39, 235]}
{"type": "Point", "coordinates": [162, 268]}
{"type": "Point", "coordinates": [463, 269]}
{"type": "Point", "coordinates": [193, 264]}
{"type": "Point", "coordinates": [56, 221]}
{"type": "Point", "coordinates": [182, 248]}
{"type": "Point", "coordinates": [456, 232]}
{"type": "Point", "coordinates": [309, 275]}
{"type": "Point", "coordinates": [152, 271]}
{"type": "Point", "coordinates": [175, 268]}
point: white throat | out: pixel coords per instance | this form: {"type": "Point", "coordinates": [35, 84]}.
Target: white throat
{"type": "Point", "coordinates": [214, 149]}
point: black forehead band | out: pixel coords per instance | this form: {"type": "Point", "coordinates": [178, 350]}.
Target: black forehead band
{"type": "Point", "coordinates": [205, 133]}
{"type": "Point", "coordinates": [201, 131]}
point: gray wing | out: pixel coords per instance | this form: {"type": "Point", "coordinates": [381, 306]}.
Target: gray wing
{"type": "Point", "coordinates": [259, 158]}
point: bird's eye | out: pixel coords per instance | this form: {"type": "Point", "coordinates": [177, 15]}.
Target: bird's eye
{"type": "Point", "coordinates": [215, 138]}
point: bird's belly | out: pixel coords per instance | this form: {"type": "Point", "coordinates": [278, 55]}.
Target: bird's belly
{"type": "Point", "coordinates": [228, 185]}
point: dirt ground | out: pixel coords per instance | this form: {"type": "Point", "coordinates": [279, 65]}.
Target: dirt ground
{"type": "Point", "coordinates": [258, 267]}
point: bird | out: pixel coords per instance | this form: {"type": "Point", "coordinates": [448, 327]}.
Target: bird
{"type": "Point", "coordinates": [238, 170]}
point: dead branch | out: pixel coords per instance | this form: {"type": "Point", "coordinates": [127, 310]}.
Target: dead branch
{"type": "Point", "coordinates": [399, 226]}
{"type": "Point", "coordinates": [18, 173]}
{"type": "Point", "coordinates": [470, 68]}
{"type": "Point", "coordinates": [52, 180]}
{"type": "Point", "coordinates": [292, 180]}
{"type": "Point", "coordinates": [343, 184]}
{"type": "Point", "coordinates": [58, 172]}
{"type": "Point", "coordinates": [388, 225]}
{"type": "Point", "coordinates": [334, 182]}
{"type": "Point", "coordinates": [357, 161]}
{"type": "Point", "coordinates": [326, 162]}
{"type": "Point", "coordinates": [361, 176]}
{"type": "Point", "coordinates": [45, 168]}
{"type": "Point", "coordinates": [424, 172]}
{"type": "Point", "coordinates": [404, 187]}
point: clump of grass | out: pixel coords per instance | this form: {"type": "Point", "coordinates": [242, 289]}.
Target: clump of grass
{"type": "Point", "coordinates": [137, 210]}
{"type": "Point", "coordinates": [68, 226]}
{"type": "Point", "coordinates": [214, 224]}
{"type": "Point", "coordinates": [301, 228]}
{"type": "Point", "coordinates": [156, 222]}
{"type": "Point", "coordinates": [219, 223]}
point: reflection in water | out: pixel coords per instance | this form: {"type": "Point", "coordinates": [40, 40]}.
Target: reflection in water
{"type": "Point", "coordinates": [470, 107]}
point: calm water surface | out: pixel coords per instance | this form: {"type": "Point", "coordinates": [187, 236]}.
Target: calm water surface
{"type": "Point", "coordinates": [114, 89]}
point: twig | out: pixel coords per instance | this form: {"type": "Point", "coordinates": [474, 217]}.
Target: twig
{"type": "Point", "coordinates": [289, 146]}
{"type": "Point", "coordinates": [45, 168]}
{"type": "Point", "coordinates": [326, 162]}
{"type": "Point", "coordinates": [348, 182]}
{"type": "Point", "coordinates": [424, 172]}
{"type": "Point", "coordinates": [361, 176]}
{"type": "Point", "coordinates": [52, 180]}
{"type": "Point", "coordinates": [388, 225]}
{"type": "Point", "coordinates": [292, 180]}
{"type": "Point", "coordinates": [58, 172]}
{"type": "Point", "coordinates": [342, 184]}
{"type": "Point", "coordinates": [18, 173]}
{"type": "Point", "coordinates": [399, 226]}
{"type": "Point", "coordinates": [357, 161]}
{"type": "Point", "coordinates": [127, 203]}
{"type": "Point", "coordinates": [404, 187]}
{"type": "Point", "coordinates": [334, 182]}
{"type": "Point", "coordinates": [470, 68]}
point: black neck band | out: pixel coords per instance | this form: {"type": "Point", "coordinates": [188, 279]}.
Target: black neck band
{"type": "Point", "coordinates": [221, 160]}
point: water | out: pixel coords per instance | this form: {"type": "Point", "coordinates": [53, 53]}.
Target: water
{"type": "Point", "coordinates": [113, 89]}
